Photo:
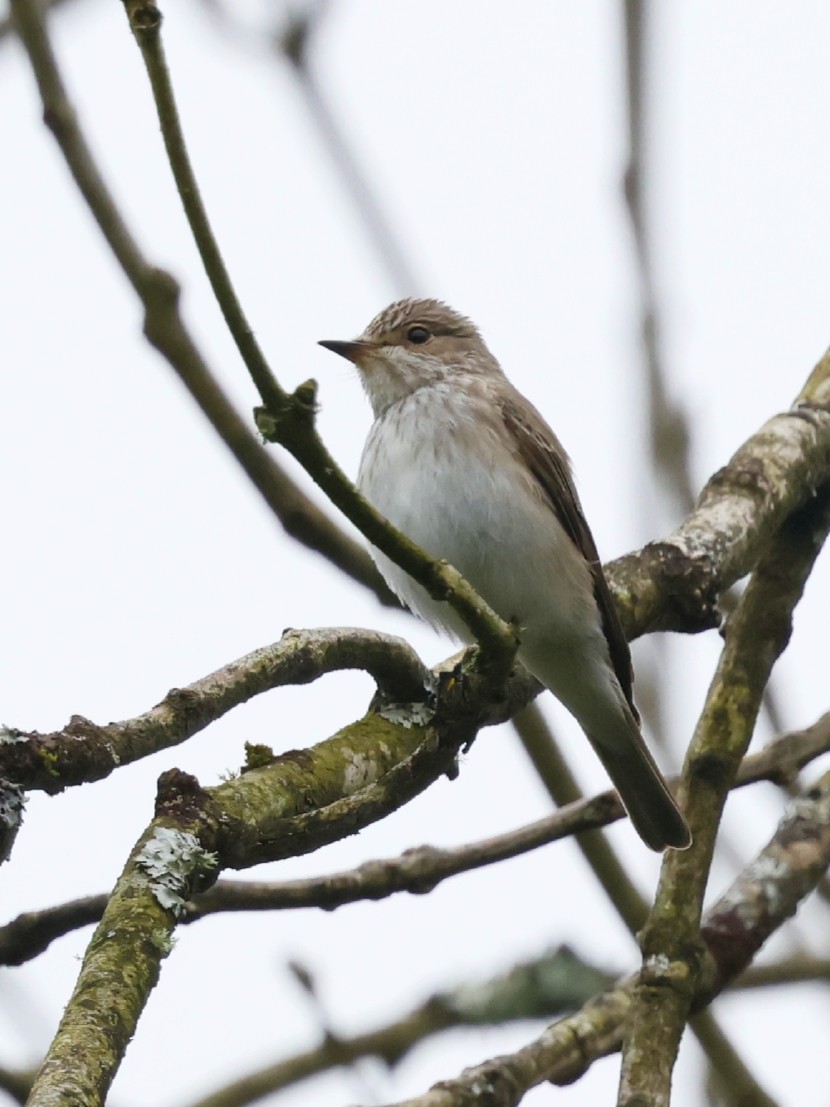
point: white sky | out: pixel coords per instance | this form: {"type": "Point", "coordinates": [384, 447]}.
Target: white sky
{"type": "Point", "coordinates": [136, 558]}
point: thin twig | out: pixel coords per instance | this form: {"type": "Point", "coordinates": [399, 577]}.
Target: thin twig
{"type": "Point", "coordinates": [668, 422]}
{"type": "Point", "coordinates": [289, 419]}
{"type": "Point", "coordinates": [17, 1083]}
{"type": "Point", "coordinates": [736, 1084]}
{"type": "Point", "coordinates": [7, 27]}
{"type": "Point", "coordinates": [165, 329]}
{"type": "Point", "coordinates": [800, 968]}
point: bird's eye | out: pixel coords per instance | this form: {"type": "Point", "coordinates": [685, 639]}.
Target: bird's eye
{"type": "Point", "coordinates": [419, 335]}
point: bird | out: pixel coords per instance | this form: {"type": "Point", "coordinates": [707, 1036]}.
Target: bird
{"type": "Point", "coordinates": [465, 466]}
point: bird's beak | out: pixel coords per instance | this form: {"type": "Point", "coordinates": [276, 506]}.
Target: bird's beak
{"type": "Point", "coordinates": [352, 351]}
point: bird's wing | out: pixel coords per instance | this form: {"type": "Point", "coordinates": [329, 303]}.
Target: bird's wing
{"type": "Point", "coordinates": [541, 451]}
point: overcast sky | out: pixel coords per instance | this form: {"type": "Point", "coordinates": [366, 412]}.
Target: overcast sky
{"type": "Point", "coordinates": [137, 558]}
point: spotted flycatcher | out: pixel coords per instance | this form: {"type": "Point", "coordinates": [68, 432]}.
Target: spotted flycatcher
{"type": "Point", "coordinates": [465, 466]}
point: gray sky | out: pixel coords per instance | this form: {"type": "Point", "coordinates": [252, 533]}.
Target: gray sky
{"type": "Point", "coordinates": [136, 558]}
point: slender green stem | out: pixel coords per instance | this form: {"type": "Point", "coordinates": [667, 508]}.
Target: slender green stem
{"type": "Point", "coordinates": [145, 22]}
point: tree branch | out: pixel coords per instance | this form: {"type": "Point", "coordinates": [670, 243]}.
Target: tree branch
{"type": "Point", "coordinates": [280, 807]}
{"type": "Point", "coordinates": [84, 751]}
{"type": "Point", "coordinates": [755, 634]}
{"type": "Point", "coordinates": [556, 982]}
{"type": "Point", "coordinates": [623, 893]}
{"type": "Point", "coordinates": [675, 584]}
{"type": "Point", "coordinates": [786, 871]}
{"type": "Point", "coordinates": [416, 871]}
{"type": "Point", "coordinates": [800, 968]}
{"type": "Point", "coordinates": [293, 44]}
{"type": "Point", "coordinates": [165, 329]}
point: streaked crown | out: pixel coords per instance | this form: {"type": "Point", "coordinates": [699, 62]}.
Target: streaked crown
{"type": "Point", "coordinates": [388, 326]}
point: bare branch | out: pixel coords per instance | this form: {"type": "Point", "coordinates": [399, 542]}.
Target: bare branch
{"type": "Point", "coordinates": [556, 982]}
{"type": "Point", "coordinates": [7, 27]}
{"type": "Point", "coordinates": [621, 890]}
{"type": "Point", "coordinates": [735, 1083]}
{"type": "Point", "coordinates": [289, 419]}
{"type": "Point", "coordinates": [17, 1083]}
{"type": "Point", "coordinates": [166, 331]}
{"type": "Point", "coordinates": [280, 807]}
{"type": "Point", "coordinates": [555, 772]}
{"type": "Point", "coordinates": [801, 968]}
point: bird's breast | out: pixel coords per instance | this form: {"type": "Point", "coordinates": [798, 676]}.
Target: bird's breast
{"type": "Point", "coordinates": [442, 471]}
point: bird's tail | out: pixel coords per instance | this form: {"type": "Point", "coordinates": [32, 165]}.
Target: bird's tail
{"type": "Point", "coordinates": [642, 789]}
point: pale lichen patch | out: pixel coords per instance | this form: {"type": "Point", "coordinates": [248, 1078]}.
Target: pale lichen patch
{"type": "Point", "coordinates": [12, 803]}
{"type": "Point", "coordinates": [359, 771]}
{"type": "Point", "coordinates": [407, 715]}
{"type": "Point", "coordinates": [170, 858]}
{"type": "Point", "coordinates": [10, 736]}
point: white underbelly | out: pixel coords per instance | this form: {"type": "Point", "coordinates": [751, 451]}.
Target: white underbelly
{"type": "Point", "coordinates": [475, 507]}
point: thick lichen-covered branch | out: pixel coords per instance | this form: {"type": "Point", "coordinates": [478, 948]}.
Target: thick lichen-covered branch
{"type": "Point", "coordinates": [618, 885]}
{"type": "Point", "coordinates": [122, 962]}
{"type": "Point", "coordinates": [674, 584]}
{"type": "Point", "coordinates": [281, 806]}
{"type": "Point", "coordinates": [755, 635]}
{"type": "Point", "coordinates": [84, 751]}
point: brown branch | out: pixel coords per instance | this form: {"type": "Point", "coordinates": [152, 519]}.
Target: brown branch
{"type": "Point", "coordinates": [801, 968]}
{"type": "Point", "coordinates": [289, 419]}
{"type": "Point", "coordinates": [84, 751]}
{"type": "Point", "coordinates": [416, 871]}
{"type": "Point", "coordinates": [543, 988]}
{"type": "Point", "coordinates": [280, 807]}
{"type": "Point", "coordinates": [7, 28]}
{"type": "Point", "coordinates": [17, 1083]}
{"type": "Point", "coordinates": [735, 1083]}
{"type": "Point", "coordinates": [555, 772]}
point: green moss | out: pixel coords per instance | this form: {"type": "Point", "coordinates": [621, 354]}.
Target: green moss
{"type": "Point", "coordinates": [257, 756]}
{"type": "Point", "coordinates": [50, 760]}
